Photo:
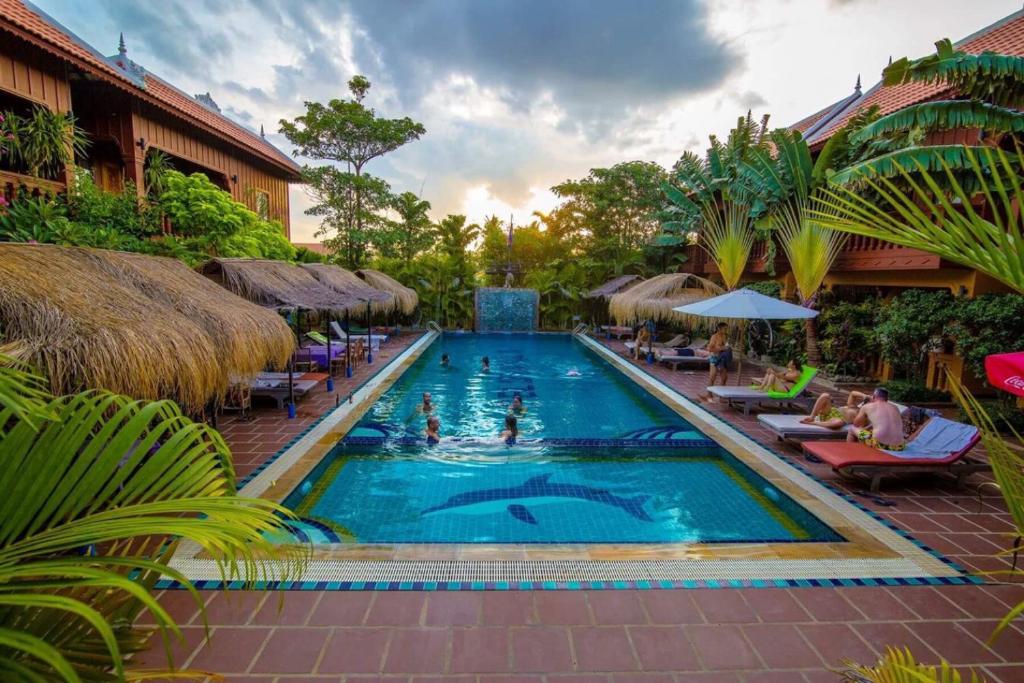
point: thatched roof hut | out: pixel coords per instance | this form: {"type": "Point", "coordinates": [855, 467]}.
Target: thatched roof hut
{"type": "Point", "coordinates": [655, 298]}
{"type": "Point", "coordinates": [405, 298]}
{"type": "Point", "coordinates": [612, 287]}
{"type": "Point", "coordinates": [348, 283]}
{"type": "Point", "coordinates": [145, 326]}
{"type": "Point", "coordinates": [279, 285]}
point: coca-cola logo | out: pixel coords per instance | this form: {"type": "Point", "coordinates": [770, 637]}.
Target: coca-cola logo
{"type": "Point", "coordinates": [1015, 381]}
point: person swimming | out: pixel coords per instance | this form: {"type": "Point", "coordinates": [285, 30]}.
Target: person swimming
{"type": "Point", "coordinates": [517, 403]}
{"type": "Point", "coordinates": [485, 364]}
{"type": "Point", "coordinates": [573, 373]}
{"type": "Point", "coordinates": [445, 361]}
{"type": "Point", "coordinates": [511, 430]}
{"type": "Point", "coordinates": [427, 406]}
{"type": "Point", "coordinates": [433, 432]}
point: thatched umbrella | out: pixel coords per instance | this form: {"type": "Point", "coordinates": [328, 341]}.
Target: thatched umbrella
{"type": "Point", "coordinates": [144, 326]}
{"type": "Point", "coordinates": [349, 284]}
{"type": "Point", "coordinates": [655, 298]}
{"type": "Point", "coordinates": [612, 287]}
{"type": "Point", "coordinates": [278, 285]}
{"type": "Point", "coordinates": [405, 297]}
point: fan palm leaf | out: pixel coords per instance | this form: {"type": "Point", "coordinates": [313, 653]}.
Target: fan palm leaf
{"type": "Point", "coordinates": [98, 470]}
{"type": "Point", "coordinates": [944, 115]}
{"type": "Point", "coordinates": [728, 238]}
{"type": "Point", "coordinates": [931, 210]}
{"type": "Point", "coordinates": [990, 77]}
{"type": "Point", "coordinates": [810, 248]}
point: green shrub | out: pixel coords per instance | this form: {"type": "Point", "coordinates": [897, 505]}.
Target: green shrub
{"type": "Point", "coordinates": [911, 391]}
{"type": "Point", "coordinates": [912, 325]}
{"type": "Point", "coordinates": [991, 323]}
{"type": "Point", "coordinates": [848, 337]}
{"type": "Point", "coordinates": [1004, 413]}
{"type": "Point", "coordinates": [116, 214]}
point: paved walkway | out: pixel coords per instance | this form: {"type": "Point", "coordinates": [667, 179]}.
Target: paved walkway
{"type": "Point", "coordinates": [720, 636]}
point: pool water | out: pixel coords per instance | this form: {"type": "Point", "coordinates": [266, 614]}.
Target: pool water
{"type": "Point", "coordinates": [497, 494]}
{"type": "Point", "coordinates": [568, 392]}
{"type": "Point", "coordinates": [599, 460]}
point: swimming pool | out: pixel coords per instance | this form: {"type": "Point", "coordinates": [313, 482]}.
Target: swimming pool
{"type": "Point", "coordinates": [599, 460]}
{"type": "Point", "coordinates": [568, 392]}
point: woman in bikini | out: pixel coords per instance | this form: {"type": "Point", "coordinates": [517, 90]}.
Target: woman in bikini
{"type": "Point", "coordinates": [778, 381]}
{"type": "Point", "coordinates": [511, 430]}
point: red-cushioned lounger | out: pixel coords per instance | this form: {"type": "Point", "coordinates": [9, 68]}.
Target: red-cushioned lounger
{"type": "Point", "coordinates": [860, 460]}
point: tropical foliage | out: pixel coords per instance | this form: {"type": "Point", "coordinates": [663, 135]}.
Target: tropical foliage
{"type": "Point", "coordinates": [117, 484]}
{"type": "Point", "coordinates": [40, 143]}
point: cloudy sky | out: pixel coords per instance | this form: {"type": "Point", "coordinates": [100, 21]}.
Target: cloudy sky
{"type": "Point", "coordinates": [518, 95]}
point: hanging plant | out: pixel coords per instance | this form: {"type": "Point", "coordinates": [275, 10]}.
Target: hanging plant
{"type": "Point", "coordinates": [43, 142]}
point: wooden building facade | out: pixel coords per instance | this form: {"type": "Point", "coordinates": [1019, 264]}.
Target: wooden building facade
{"type": "Point", "coordinates": [126, 112]}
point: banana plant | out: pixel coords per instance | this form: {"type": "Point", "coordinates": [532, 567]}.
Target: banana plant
{"type": "Point", "coordinates": [99, 490]}
{"type": "Point", "coordinates": [900, 666]}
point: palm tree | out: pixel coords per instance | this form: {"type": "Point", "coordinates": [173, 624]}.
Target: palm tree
{"type": "Point", "coordinates": [782, 185]}
{"type": "Point", "coordinates": [131, 479]}
{"type": "Point", "coordinates": [414, 228]}
{"type": "Point", "coordinates": [704, 198]}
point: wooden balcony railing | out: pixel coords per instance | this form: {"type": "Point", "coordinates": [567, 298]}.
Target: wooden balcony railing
{"type": "Point", "coordinates": [15, 185]}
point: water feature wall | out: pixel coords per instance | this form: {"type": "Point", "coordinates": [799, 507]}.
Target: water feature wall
{"type": "Point", "coordinates": [500, 309]}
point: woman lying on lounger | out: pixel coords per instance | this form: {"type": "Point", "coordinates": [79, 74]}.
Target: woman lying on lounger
{"type": "Point", "coordinates": [825, 414]}
{"type": "Point", "coordinates": [778, 381]}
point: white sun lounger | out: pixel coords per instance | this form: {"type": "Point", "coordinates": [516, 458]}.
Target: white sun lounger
{"type": "Point", "coordinates": [790, 427]}
{"type": "Point", "coordinates": [749, 398]}
{"type": "Point", "coordinates": [340, 336]}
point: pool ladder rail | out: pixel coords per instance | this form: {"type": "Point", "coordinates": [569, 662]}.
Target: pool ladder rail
{"type": "Point", "coordinates": [581, 329]}
{"type": "Point", "coordinates": [432, 325]}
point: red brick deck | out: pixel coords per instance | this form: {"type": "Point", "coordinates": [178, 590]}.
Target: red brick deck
{"type": "Point", "coordinates": [704, 636]}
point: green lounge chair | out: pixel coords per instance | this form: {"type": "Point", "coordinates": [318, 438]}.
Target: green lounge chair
{"type": "Point", "coordinates": [748, 397]}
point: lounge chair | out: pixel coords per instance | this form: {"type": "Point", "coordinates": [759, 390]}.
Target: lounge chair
{"type": "Point", "coordinates": [677, 357]}
{"type": "Point", "coordinates": [940, 446]}
{"type": "Point", "coordinates": [676, 342]}
{"type": "Point", "coordinates": [618, 331]}
{"type": "Point", "coordinates": [341, 337]}
{"type": "Point", "coordinates": [271, 385]}
{"type": "Point", "coordinates": [748, 397]}
{"type": "Point", "coordinates": [790, 427]}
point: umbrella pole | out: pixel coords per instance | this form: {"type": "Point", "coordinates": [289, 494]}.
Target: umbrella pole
{"type": "Point", "coordinates": [348, 345]}
{"type": "Point", "coordinates": [291, 375]}
{"type": "Point", "coordinates": [742, 344]}
{"type": "Point", "coordinates": [369, 335]}
{"type": "Point", "coordinates": [330, 377]}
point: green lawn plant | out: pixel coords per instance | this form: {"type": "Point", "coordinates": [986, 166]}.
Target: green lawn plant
{"type": "Point", "coordinates": [100, 489]}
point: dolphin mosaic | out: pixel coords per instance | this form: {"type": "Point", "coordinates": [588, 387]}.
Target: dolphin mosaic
{"type": "Point", "coordinates": [537, 491]}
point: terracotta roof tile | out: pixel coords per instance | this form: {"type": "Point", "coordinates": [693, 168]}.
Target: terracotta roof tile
{"type": "Point", "coordinates": [803, 124]}
{"type": "Point", "coordinates": [1005, 36]}
{"type": "Point", "coordinates": [65, 44]}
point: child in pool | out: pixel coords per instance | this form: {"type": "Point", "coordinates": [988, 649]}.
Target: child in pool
{"type": "Point", "coordinates": [511, 430]}
{"type": "Point", "coordinates": [517, 404]}
{"type": "Point", "coordinates": [445, 361]}
{"type": "Point", "coordinates": [485, 364]}
{"type": "Point", "coordinates": [433, 430]}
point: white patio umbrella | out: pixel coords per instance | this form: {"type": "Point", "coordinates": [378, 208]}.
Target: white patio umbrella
{"type": "Point", "coordinates": [746, 304]}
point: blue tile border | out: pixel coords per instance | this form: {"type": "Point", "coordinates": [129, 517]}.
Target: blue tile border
{"type": "Point", "coordinates": [437, 586]}
{"type": "Point", "coordinates": [562, 442]}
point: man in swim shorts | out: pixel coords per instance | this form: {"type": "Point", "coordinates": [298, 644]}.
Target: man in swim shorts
{"type": "Point", "coordinates": [878, 424]}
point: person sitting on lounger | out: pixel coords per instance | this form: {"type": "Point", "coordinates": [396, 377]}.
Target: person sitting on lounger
{"type": "Point", "coordinates": [511, 430]}
{"type": "Point", "coordinates": [778, 381]}
{"type": "Point", "coordinates": [825, 414]}
{"type": "Point", "coordinates": [642, 337]}
{"type": "Point", "coordinates": [433, 429]}
{"type": "Point", "coordinates": [878, 424]}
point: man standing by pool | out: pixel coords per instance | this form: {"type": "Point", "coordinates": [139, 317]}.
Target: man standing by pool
{"type": "Point", "coordinates": [878, 424]}
{"type": "Point", "coordinates": [719, 358]}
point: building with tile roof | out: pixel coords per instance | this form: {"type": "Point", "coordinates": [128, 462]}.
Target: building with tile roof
{"type": "Point", "coordinates": [128, 111]}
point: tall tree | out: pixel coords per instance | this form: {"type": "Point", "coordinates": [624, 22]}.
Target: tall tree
{"type": "Point", "coordinates": [348, 228]}
{"type": "Point", "coordinates": [413, 232]}
{"type": "Point", "coordinates": [616, 208]}
{"type": "Point", "coordinates": [345, 130]}
{"type": "Point", "coordinates": [454, 237]}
